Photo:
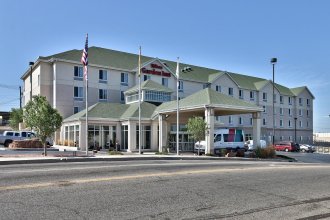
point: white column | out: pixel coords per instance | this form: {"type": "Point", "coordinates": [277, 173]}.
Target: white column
{"type": "Point", "coordinates": [209, 119]}
{"type": "Point", "coordinates": [154, 135]}
{"type": "Point", "coordinates": [162, 132]}
{"type": "Point", "coordinates": [131, 136]}
{"type": "Point", "coordinates": [256, 129]}
{"type": "Point", "coordinates": [54, 85]}
{"type": "Point", "coordinates": [118, 133]}
{"type": "Point", "coordinates": [82, 136]}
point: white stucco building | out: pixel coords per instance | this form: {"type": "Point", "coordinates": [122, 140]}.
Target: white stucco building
{"type": "Point", "coordinates": [244, 102]}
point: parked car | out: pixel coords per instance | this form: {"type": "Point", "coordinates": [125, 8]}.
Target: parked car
{"type": "Point", "coordinates": [307, 148]}
{"type": "Point", "coordinates": [10, 136]}
{"type": "Point", "coordinates": [249, 144]}
{"type": "Point", "coordinates": [286, 146]}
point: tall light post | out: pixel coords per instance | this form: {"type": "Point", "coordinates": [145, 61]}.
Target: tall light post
{"type": "Point", "coordinates": [31, 65]}
{"type": "Point", "coordinates": [273, 61]}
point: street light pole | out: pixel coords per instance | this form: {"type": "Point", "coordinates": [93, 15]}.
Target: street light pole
{"type": "Point", "coordinates": [273, 62]}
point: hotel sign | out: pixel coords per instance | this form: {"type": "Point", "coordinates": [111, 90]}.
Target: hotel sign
{"type": "Point", "coordinates": [156, 70]}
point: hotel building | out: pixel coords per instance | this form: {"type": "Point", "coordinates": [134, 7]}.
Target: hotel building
{"type": "Point", "coordinates": [224, 99]}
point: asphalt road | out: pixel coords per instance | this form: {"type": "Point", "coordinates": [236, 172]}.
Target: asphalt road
{"type": "Point", "coordinates": [165, 190]}
{"type": "Point", "coordinates": [307, 157]}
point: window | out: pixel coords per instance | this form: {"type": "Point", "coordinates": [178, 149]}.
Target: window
{"type": "Point", "coordinates": [165, 82]}
{"type": "Point", "coordinates": [230, 91]}
{"type": "Point", "coordinates": [146, 77]}
{"type": "Point", "coordinates": [78, 72]}
{"type": "Point", "coordinates": [274, 98]}
{"type": "Point", "coordinates": [281, 111]}
{"type": "Point", "coordinates": [264, 107]}
{"type": "Point", "coordinates": [289, 123]}
{"type": "Point", "coordinates": [103, 94]}
{"type": "Point", "coordinates": [300, 112]}
{"type": "Point", "coordinates": [308, 102]}
{"type": "Point", "coordinates": [290, 112]}
{"type": "Point", "coordinates": [264, 122]}
{"type": "Point", "coordinates": [230, 119]}
{"type": "Point", "coordinates": [180, 86]}
{"type": "Point", "coordinates": [290, 100]}
{"type": "Point", "coordinates": [301, 138]}
{"type": "Point", "coordinates": [124, 79]}
{"type": "Point", "coordinates": [281, 99]}
{"type": "Point", "coordinates": [300, 101]}
{"type": "Point", "coordinates": [307, 113]}
{"type": "Point", "coordinates": [264, 96]}
{"type": "Point", "coordinates": [251, 95]}
{"type": "Point", "coordinates": [240, 120]}
{"type": "Point", "coordinates": [300, 124]}
{"type": "Point", "coordinates": [251, 121]}
{"type": "Point", "coordinates": [76, 109]}
{"type": "Point", "coordinates": [218, 88]}
{"type": "Point", "coordinates": [281, 122]}
{"type": "Point", "coordinates": [241, 94]}
{"type": "Point", "coordinates": [122, 96]}
{"type": "Point", "coordinates": [103, 76]}
{"type": "Point", "coordinates": [78, 93]}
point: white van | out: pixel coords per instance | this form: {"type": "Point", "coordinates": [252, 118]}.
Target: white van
{"type": "Point", "coordinates": [249, 144]}
{"type": "Point", "coordinates": [224, 138]}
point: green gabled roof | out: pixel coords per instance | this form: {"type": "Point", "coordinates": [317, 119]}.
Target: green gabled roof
{"type": "Point", "coordinates": [132, 111]}
{"type": "Point", "coordinates": [149, 85]}
{"type": "Point", "coordinates": [117, 111]}
{"type": "Point", "coordinates": [284, 90]}
{"type": "Point", "coordinates": [296, 91]}
{"type": "Point", "coordinates": [128, 61]}
{"type": "Point", "coordinates": [260, 84]}
{"type": "Point", "coordinates": [103, 57]}
{"type": "Point", "coordinates": [205, 97]}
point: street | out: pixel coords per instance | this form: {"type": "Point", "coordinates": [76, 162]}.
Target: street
{"type": "Point", "coordinates": [165, 190]}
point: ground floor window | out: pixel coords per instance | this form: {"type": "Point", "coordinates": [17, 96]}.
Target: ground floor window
{"type": "Point", "coordinates": [124, 137]}
{"type": "Point", "coordinates": [71, 136]}
{"type": "Point", "coordinates": [145, 137]}
{"type": "Point", "coordinates": [101, 136]}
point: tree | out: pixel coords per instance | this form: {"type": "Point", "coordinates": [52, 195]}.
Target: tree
{"type": "Point", "coordinates": [16, 117]}
{"type": "Point", "coordinates": [196, 127]}
{"type": "Point", "coordinates": [42, 118]}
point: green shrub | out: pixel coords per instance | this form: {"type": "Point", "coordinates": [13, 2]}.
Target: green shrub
{"type": "Point", "coordinates": [115, 152]}
{"type": "Point", "coordinates": [268, 152]}
{"type": "Point", "coordinates": [161, 153]}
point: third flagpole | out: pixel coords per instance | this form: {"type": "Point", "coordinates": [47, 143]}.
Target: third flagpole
{"type": "Point", "coordinates": [140, 128]}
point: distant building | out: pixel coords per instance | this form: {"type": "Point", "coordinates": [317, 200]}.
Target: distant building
{"type": "Point", "coordinates": [113, 79]}
{"type": "Point", "coordinates": [323, 137]}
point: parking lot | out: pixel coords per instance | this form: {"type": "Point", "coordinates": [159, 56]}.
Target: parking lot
{"type": "Point", "coordinates": [307, 157]}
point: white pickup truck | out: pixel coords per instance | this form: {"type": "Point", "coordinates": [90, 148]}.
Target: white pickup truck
{"type": "Point", "coordinates": [9, 136]}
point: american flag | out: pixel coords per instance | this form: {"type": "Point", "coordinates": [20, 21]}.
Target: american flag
{"type": "Point", "coordinates": [84, 58]}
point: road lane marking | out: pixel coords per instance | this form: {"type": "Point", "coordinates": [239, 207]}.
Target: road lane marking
{"type": "Point", "coordinates": [149, 175]}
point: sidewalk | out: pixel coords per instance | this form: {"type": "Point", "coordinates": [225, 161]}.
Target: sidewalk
{"type": "Point", "coordinates": [35, 156]}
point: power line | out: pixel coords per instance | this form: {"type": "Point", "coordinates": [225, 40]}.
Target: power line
{"type": "Point", "coordinates": [14, 87]}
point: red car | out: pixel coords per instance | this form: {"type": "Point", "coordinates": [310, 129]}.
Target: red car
{"type": "Point", "coordinates": [286, 146]}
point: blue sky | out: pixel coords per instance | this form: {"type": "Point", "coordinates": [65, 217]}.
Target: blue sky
{"type": "Point", "coordinates": [234, 35]}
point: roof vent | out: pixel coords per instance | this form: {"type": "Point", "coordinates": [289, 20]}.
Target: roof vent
{"type": "Point", "coordinates": [186, 69]}
{"type": "Point", "coordinates": [165, 63]}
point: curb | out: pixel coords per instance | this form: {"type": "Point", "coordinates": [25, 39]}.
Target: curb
{"type": "Point", "coordinates": [138, 158]}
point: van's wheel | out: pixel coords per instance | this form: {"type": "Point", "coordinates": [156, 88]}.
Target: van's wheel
{"type": "Point", "coordinates": [7, 142]}
{"type": "Point", "coordinates": [286, 150]}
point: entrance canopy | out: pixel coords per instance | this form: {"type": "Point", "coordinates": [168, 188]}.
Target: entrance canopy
{"type": "Point", "coordinates": [208, 103]}
{"type": "Point", "coordinates": [196, 103]}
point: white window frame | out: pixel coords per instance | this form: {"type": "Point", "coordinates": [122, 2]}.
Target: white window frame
{"type": "Point", "coordinates": [103, 76]}
{"type": "Point", "coordinates": [252, 95]}
{"type": "Point", "coordinates": [124, 79]}
{"type": "Point", "coordinates": [281, 111]}
{"type": "Point", "coordinates": [265, 109]}
{"type": "Point", "coordinates": [230, 120]}
{"type": "Point", "coordinates": [300, 101]}
{"type": "Point", "coordinates": [264, 121]}
{"type": "Point", "coordinates": [300, 112]}
{"type": "Point", "coordinates": [78, 72]}
{"type": "Point", "coordinates": [300, 124]}
{"type": "Point", "coordinates": [290, 100]}
{"type": "Point", "coordinates": [281, 123]}
{"type": "Point", "coordinates": [241, 94]}
{"type": "Point", "coordinates": [308, 103]}
{"type": "Point", "coordinates": [78, 93]}
{"type": "Point", "coordinates": [218, 88]}
{"type": "Point", "coordinates": [240, 120]}
{"type": "Point", "coordinates": [104, 94]}
{"type": "Point", "coordinates": [180, 86]}
{"type": "Point", "coordinates": [281, 99]}
{"type": "Point", "coordinates": [230, 91]}
{"type": "Point", "coordinates": [289, 124]}
{"type": "Point", "coordinates": [146, 77]}
{"type": "Point", "coordinates": [165, 82]}
{"type": "Point", "coordinates": [274, 98]}
{"type": "Point", "coordinates": [290, 111]}
{"type": "Point", "coordinates": [264, 96]}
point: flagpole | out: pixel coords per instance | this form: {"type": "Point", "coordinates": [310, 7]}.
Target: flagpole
{"type": "Point", "coordinates": [177, 107]}
{"type": "Point", "coordinates": [140, 128]}
{"type": "Point", "coordinates": [86, 112]}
